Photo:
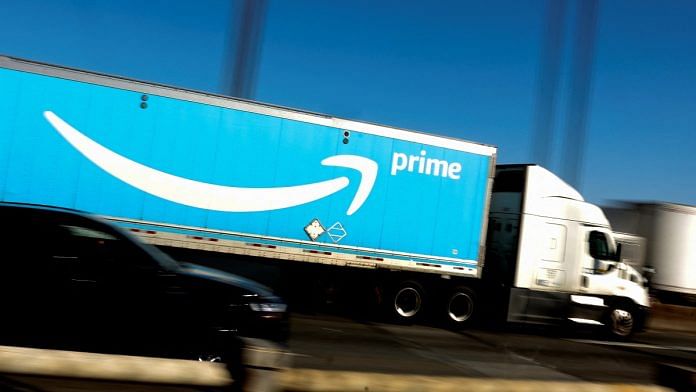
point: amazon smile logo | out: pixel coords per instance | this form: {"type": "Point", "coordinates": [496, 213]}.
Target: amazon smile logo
{"type": "Point", "coordinates": [213, 196]}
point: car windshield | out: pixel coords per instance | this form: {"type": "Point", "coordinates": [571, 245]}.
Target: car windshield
{"type": "Point", "coordinates": [161, 258]}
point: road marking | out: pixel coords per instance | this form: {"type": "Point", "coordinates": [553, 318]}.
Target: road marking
{"type": "Point", "coordinates": [633, 345]}
{"type": "Point", "coordinates": [332, 330]}
{"type": "Point", "coordinates": [292, 354]}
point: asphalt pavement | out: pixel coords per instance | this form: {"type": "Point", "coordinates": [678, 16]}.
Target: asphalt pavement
{"type": "Point", "coordinates": [329, 342]}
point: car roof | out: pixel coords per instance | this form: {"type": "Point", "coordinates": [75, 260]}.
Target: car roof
{"type": "Point", "coordinates": [40, 207]}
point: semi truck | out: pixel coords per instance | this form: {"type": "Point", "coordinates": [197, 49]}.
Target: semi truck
{"type": "Point", "coordinates": [430, 225]}
{"type": "Point", "coordinates": [666, 232]}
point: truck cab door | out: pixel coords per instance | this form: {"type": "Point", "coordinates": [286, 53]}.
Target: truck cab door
{"type": "Point", "coordinates": [599, 250]}
{"type": "Point", "coordinates": [553, 264]}
{"type": "Point", "coordinates": [600, 273]}
{"type": "Point", "coordinates": [547, 271]}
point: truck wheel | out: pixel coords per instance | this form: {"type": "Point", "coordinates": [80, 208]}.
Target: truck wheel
{"type": "Point", "coordinates": [621, 322]}
{"type": "Point", "coordinates": [461, 306]}
{"type": "Point", "coordinates": [407, 302]}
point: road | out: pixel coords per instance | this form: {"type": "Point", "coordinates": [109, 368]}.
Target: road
{"type": "Point", "coordinates": [336, 343]}
{"type": "Point", "coordinates": [329, 342]}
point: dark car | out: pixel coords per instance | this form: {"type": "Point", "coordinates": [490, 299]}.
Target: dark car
{"type": "Point", "coordinates": [71, 281]}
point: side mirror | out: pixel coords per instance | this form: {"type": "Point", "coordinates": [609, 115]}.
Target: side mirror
{"type": "Point", "coordinates": [617, 256]}
{"type": "Point", "coordinates": [648, 272]}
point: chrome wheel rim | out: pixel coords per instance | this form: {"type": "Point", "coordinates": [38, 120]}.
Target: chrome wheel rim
{"type": "Point", "coordinates": [460, 307]}
{"type": "Point", "coordinates": [621, 322]}
{"type": "Point", "coordinates": [407, 302]}
{"type": "Point", "coordinates": [209, 358]}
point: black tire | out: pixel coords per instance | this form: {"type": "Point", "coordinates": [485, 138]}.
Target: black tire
{"type": "Point", "coordinates": [407, 302]}
{"type": "Point", "coordinates": [621, 322]}
{"type": "Point", "coordinates": [460, 307]}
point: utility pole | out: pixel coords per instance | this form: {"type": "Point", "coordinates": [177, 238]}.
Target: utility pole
{"type": "Point", "coordinates": [578, 102]}
{"type": "Point", "coordinates": [549, 75]}
{"type": "Point", "coordinates": [244, 58]}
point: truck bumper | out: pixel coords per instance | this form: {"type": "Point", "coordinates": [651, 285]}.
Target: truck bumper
{"type": "Point", "coordinates": [599, 314]}
{"type": "Point", "coordinates": [583, 310]}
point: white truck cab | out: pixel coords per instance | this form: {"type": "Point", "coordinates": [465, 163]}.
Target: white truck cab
{"type": "Point", "coordinates": [557, 256]}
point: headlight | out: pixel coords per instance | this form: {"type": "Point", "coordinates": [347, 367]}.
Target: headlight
{"type": "Point", "coordinates": [268, 307]}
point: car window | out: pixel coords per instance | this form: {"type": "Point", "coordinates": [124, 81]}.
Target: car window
{"type": "Point", "coordinates": [49, 239]}
{"type": "Point", "coordinates": [102, 250]}
{"type": "Point", "coordinates": [24, 243]}
{"type": "Point", "coordinates": [85, 232]}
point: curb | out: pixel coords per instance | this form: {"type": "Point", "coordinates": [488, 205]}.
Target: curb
{"type": "Point", "coordinates": [81, 365]}
{"type": "Point", "coordinates": [335, 381]}
{"type": "Point", "coordinates": [262, 360]}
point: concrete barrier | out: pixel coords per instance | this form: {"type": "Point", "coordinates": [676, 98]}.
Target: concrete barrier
{"type": "Point", "coordinates": [80, 365]}
{"type": "Point", "coordinates": [330, 381]}
{"type": "Point", "coordinates": [262, 360]}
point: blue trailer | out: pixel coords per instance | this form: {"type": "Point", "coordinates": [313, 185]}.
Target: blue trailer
{"type": "Point", "coordinates": [191, 170]}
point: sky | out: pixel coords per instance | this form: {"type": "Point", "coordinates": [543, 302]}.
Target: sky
{"type": "Point", "coordinates": [465, 69]}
